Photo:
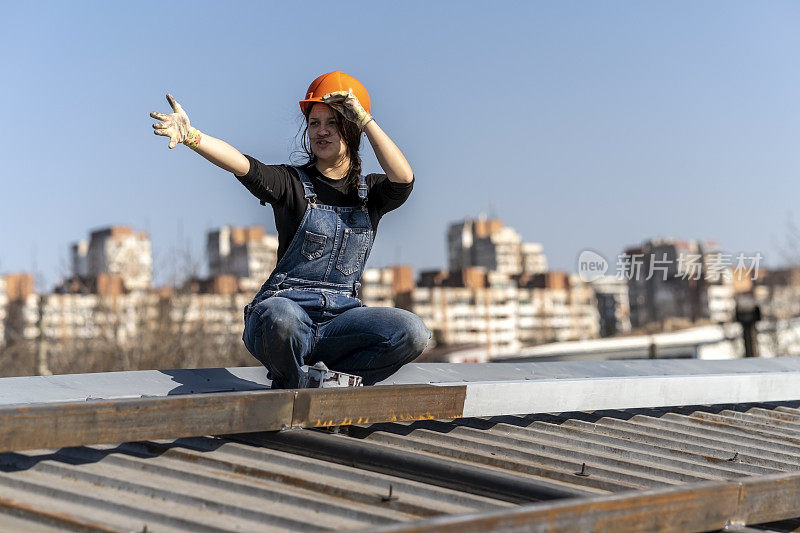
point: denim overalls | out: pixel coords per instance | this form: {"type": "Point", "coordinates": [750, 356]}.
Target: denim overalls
{"type": "Point", "coordinates": [300, 311]}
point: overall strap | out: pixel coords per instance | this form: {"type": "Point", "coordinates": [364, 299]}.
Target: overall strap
{"type": "Point", "coordinates": [308, 188]}
{"type": "Point", "coordinates": [362, 189]}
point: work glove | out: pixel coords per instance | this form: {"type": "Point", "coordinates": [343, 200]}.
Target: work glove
{"type": "Point", "coordinates": [346, 103]}
{"type": "Point", "coordinates": [176, 126]}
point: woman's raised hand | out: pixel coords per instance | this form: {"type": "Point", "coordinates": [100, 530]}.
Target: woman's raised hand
{"type": "Point", "coordinates": [176, 126]}
{"type": "Point", "coordinates": [346, 103]}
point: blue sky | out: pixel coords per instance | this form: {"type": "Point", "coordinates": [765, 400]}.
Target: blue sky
{"type": "Point", "coordinates": [581, 124]}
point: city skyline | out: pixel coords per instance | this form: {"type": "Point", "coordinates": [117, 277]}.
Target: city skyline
{"type": "Point", "coordinates": [633, 120]}
{"type": "Point", "coordinates": [496, 292]}
{"type": "Point", "coordinates": [76, 265]}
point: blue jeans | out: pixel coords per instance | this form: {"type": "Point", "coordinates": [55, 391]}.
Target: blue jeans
{"type": "Point", "coordinates": [372, 342]}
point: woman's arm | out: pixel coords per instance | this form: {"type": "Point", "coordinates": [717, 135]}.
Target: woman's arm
{"type": "Point", "coordinates": [222, 154]}
{"type": "Point", "coordinates": [176, 126]}
{"type": "Point", "coordinates": [391, 159]}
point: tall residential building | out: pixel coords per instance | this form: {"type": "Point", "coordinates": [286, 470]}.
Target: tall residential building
{"type": "Point", "coordinates": [117, 251]}
{"type": "Point", "coordinates": [487, 243]}
{"type": "Point", "coordinates": [469, 307]}
{"type": "Point", "coordinates": [218, 316]}
{"type": "Point", "coordinates": [670, 278]}
{"type": "Point", "coordinates": [3, 306]}
{"type": "Point", "coordinates": [136, 323]}
{"type": "Point", "coordinates": [473, 307]}
{"type": "Point", "coordinates": [376, 287]}
{"type": "Point", "coordinates": [21, 310]}
{"type": "Point", "coordinates": [778, 292]}
{"type": "Point", "coordinates": [533, 258]}
{"type": "Point", "coordinates": [554, 307]}
{"type": "Point", "coordinates": [247, 253]}
{"type": "Point", "coordinates": [611, 293]}
{"type": "Point", "coordinates": [387, 287]}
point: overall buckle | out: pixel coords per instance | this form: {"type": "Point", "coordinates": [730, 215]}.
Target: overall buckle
{"type": "Point", "coordinates": [277, 281]}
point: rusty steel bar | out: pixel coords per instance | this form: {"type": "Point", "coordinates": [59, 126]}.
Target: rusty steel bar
{"type": "Point", "coordinates": [111, 421]}
{"type": "Point", "coordinates": [41, 426]}
{"type": "Point", "coordinates": [696, 507]}
{"type": "Point", "coordinates": [366, 405]}
{"type": "Point", "coordinates": [769, 498]}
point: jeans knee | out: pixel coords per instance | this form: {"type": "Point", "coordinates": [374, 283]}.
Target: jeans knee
{"type": "Point", "coordinates": [281, 336]}
{"type": "Point", "coordinates": [282, 320]}
{"type": "Point", "coordinates": [416, 336]}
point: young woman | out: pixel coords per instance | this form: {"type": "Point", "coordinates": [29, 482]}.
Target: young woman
{"type": "Point", "coordinates": [327, 214]}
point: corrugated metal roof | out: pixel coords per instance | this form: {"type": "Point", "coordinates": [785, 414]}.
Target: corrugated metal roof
{"type": "Point", "coordinates": [208, 484]}
{"type": "Point", "coordinates": [267, 482]}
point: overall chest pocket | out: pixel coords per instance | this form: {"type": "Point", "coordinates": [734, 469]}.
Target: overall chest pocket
{"type": "Point", "coordinates": [355, 244]}
{"type": "Point", "coordinates": [313, 245]}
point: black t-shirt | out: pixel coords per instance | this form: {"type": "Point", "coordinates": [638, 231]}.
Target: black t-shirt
{"type": "Point", "coordinates": [279, 186]}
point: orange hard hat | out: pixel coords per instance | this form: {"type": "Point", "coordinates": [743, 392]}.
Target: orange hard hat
{"type": "Point", "coordinates": [331, 82]}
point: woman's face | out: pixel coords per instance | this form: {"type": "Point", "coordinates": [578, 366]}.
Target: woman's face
{"type": "Point", "coordinates": [326, 142]}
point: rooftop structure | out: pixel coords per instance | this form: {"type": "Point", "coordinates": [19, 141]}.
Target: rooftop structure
{"type": "Point", "coordinates": [573, 461]}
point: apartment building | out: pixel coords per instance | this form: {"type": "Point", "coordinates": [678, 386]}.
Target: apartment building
{"type": "Point", "coordinates": [101, 319]}
{"type": "Point", "coordinates": [21, 312]}
{"type": "Point", "coordinates": [387, 287]}
{"type": "Point", "coordinates": [116, 250]}
{"type": "Point", "coordinates": [777, 291]}
{"type": "Point", "coordinates": [248, 253]}
{"type": "Point", "coordinates": [611, 293]}
{"type": "Point", "coordinates": [376, 287]}
{"type": "Point", "coordinates": [533, 259]}
{"type": "Point", "coordinates": [73, 325]}
{"type": "Point", "coordinates": [488, 243]}
{"type": "Point", "coordinates": [104, 303]}
{"type": "Point", "coordinates": [217, 316]}
{"type": "Point", "coordinates": [473, 307]}
{"type": "Point", "coordinates": [555, 307]}
{"type": "Point", "coordinates": [3, 311]}
{"type": "Point", "coordinates": [469, 307]}
{"type": "Point", "coordinates": [670, 278]}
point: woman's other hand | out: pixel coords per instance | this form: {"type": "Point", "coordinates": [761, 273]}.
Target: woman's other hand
{"type": "Point", "coordinates": [176, 126]}
{"type": "Point", "coordinates": [346, 103]}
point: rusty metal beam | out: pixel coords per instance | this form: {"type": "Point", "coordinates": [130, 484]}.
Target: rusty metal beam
{"type": "Point", "coordinates": [367, 405]}
{"type": "Point", "coordinates": [697, 507]}
{"type": "Point", "coordinates": [111, 421]}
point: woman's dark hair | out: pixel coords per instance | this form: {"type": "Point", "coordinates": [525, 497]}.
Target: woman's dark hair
{"type": "Point", "coordinates": [351, 136]}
